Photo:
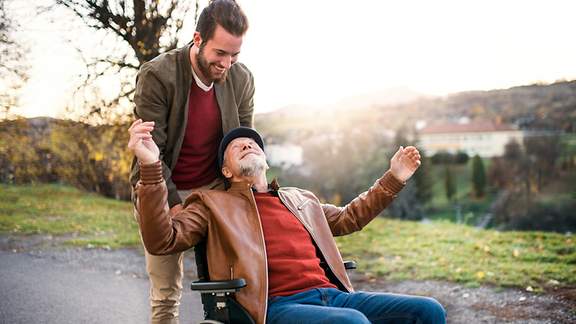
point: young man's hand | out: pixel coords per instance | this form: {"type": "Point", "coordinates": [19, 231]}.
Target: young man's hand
{"type": "Point", "coordinates": [141, 142]}
{"type": "Point", "coordinates": [404, 163]}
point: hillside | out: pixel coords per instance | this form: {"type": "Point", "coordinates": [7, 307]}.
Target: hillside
{"type": "Point", "coordinates": [536, 106]}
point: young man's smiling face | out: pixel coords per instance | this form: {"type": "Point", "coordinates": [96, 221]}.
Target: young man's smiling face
{"type": "Point", "coordinates": [216, 55]}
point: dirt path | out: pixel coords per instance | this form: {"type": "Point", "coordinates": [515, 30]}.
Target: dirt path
{"type": "Point", "coordinates": [43, 282]}
{"type": "Point", "coordinates": [484, 304]}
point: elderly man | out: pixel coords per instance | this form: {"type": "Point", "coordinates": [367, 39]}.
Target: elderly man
{"type": "Point", "coordinates": [275, 238]}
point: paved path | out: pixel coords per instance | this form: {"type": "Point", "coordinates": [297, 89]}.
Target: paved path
{"type": "Point", "coordinates": [43, 282]}
{"type": "Point", "coordinates": [79, 286]}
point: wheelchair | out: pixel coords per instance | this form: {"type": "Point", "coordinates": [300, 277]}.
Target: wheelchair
{"type": "Point", "coordinates": [218, 301]}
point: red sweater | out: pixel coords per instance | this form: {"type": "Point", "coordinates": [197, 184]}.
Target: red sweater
{"type": "Point", "coordinates": [293, 265]}
{"type": "Point", "coordinates": [196, 165]}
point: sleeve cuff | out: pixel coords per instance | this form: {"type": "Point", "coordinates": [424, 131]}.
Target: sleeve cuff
{"type": "Point", "coordinates": [391, 184]}
{"type": "Point", "coordinates": [151, 173]}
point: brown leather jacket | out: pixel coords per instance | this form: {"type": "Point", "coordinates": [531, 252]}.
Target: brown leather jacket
{"type": "Point", "coordinates": [230, 223]}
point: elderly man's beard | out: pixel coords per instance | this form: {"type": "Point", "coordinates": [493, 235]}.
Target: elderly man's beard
{"type": "Point", "coordinates": [252, 165]}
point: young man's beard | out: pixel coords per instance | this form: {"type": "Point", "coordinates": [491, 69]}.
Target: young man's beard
{"type": "Point", "coordinates": [253, 166]}
{"type": "Point", "coordinates": [204, 67]}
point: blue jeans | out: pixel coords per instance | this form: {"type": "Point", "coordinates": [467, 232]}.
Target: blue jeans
{"type": "Point", "coordinates": [329, 305]}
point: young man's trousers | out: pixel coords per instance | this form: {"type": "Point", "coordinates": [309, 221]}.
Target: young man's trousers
{"type": "Point", "coordinates": [165, 273]}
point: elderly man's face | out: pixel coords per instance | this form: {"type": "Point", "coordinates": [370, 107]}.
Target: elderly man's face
{"type": "Point", "coordinates": [244, 158]}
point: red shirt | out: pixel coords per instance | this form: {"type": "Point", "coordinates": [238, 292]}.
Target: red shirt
{"type": "Point", "coordinates": [293, 265]}
{"type": "Point", "coordinates": [196, 165]}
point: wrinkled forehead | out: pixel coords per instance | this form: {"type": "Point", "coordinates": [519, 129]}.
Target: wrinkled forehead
{"type": "Point", "coordinates": [238, 141]}
{"type": "Point", "coordinates": [241, 140]}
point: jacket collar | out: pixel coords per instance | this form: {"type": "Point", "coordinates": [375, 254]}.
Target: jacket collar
{"type": "Point", "coordinates": [186, 61]}
{"type": "Point", "coordinates": [245, 186]}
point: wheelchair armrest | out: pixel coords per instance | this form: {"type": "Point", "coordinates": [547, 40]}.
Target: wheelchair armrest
{"type": "Point", "coordinates": [218, 285]}
{"type": "Point", "coordinates": [349, 265]}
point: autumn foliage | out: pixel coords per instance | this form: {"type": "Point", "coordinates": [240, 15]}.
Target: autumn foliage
{"type": "Point", "coordinates": [93, 158]}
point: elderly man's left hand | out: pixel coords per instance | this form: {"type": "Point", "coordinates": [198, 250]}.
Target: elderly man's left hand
{"type": "Point", "coordinates": [404, 163]}
{"type": "Point", "coordinates": [141, 143]}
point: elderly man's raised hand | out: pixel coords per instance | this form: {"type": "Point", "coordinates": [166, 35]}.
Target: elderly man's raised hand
{"type": "Point", "coordinates": [404, 163]}
{"type": "Point", "coordinates": [141, 143]}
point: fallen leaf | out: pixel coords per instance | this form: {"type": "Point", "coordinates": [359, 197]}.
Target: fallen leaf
{"type": "Point", "coordinates": [553, 282]}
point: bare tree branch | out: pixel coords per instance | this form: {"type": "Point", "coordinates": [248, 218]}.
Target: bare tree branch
{"type": "Point", "coordinates": [146, 27]}
{"type": "Point", "coordinates": [13, 70]}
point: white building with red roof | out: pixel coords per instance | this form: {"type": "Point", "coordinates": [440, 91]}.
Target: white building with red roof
{"type": "Point", "coordinates": [485, 138]}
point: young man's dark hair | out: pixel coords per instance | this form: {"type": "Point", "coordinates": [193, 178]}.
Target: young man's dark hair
{"type": "Point", "coordinates": [226, 13]}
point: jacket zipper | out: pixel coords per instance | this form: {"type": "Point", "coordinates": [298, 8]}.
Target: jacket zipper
{"type": "Point", "coordinates": [308, 229]}
{"type": "Point", "coordinates": [253, 201]}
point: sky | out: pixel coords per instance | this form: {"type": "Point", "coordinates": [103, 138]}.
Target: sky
{"type": "Point", "coordinates": [317, 53]}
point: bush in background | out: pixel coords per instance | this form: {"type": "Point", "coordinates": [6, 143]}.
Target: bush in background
{"type": "Point", "coordinates": [39, 150]}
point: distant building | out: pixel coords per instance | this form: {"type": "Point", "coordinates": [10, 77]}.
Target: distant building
{"type": "Point", "coordinates": [284, 155]}
{"type": "Point", "coordinates": [485, 138]}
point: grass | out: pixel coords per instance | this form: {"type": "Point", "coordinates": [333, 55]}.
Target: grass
{"type": "Point", "coordinates": [400, 250]}
{"type": "Point", "coordinates": [392, 249]}
{"type": "Point", "coordinates": [58, 210]}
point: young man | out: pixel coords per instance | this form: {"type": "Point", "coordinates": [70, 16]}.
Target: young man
{"type": "Point", "coordinates": [194, 94]}
{"type": "Point", "coordinates": [275, 238]}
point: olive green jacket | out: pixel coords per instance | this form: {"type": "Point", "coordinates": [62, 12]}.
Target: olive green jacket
{"type": "Point", "coordinates": [162, 91]}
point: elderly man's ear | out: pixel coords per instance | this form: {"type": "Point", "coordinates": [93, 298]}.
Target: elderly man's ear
{"type": "Point", "coordinates": [226, 172]}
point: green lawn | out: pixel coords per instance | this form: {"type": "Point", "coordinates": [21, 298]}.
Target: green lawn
{"type": "Point", "coordinates": [400, 250]}
{"type": "Point", "coordinates": [55, 209]}
{"type": "Point", "coordinates": [392, 249]}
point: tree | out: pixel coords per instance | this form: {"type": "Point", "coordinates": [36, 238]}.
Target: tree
{"type": "Point", "coordinates": [442, 157]}
{"type": "Point", "coordinates": [25, 151]}
{"type": "Point", "coordinates": [461, 157]}
{"type": "Point", "coordinates": [423, 180]}
{"type": "Point", "coordinates": [408, 204]}
{"type": "Point", "coordinates": [142, 28]}
{"type": "Point", "coordinates": [478, 177]}
{"type": "Point", "coordinates": [512, 151]}
{"type": "Point", "coordinates": [12, 67]}
{"type": "Point", "coordinates": [449, 184]}
{"type": "Point", "coordinates": [542, 152]}
{"type": "Point", "coordinates": [499, 175]}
